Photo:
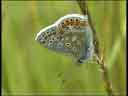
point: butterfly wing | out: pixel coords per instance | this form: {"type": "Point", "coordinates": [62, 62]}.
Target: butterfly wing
{"type": "Point", "coordinates": [71, 34]}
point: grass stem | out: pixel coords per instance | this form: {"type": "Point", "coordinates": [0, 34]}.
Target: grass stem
{"type": "Point", "coordinates": [84, 9]}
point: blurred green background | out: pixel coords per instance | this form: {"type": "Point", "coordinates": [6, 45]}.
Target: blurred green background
{"type": "Point", "coordinates": [28, 68]}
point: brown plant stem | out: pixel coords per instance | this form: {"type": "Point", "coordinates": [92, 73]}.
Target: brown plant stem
{"type": "Point", "coordinates": [104, 71]}
{"type": "Point", "coordinates": [100, 60]}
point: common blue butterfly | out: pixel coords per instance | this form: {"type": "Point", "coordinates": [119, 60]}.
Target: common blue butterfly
{"type": "Point", "coordinates": [70, 34]}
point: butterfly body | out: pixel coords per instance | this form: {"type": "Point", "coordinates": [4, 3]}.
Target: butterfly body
{"type": "Point", "coordinates": [71, 34]}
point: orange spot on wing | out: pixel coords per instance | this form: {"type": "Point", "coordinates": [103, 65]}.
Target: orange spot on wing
{"type": "Point", "coordinates": [67, 22]}
{"type": "Point", "coordinates": [72, 22]}
{"type": "Point", "coordinates": [77, 22]}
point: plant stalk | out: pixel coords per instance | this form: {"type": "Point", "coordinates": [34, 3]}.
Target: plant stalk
{"type": "Point", "coordinates": [100, 60]}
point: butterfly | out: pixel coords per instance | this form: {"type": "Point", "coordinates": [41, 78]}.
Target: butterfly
{"type": "Point", "coordinates": [71, 34]}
